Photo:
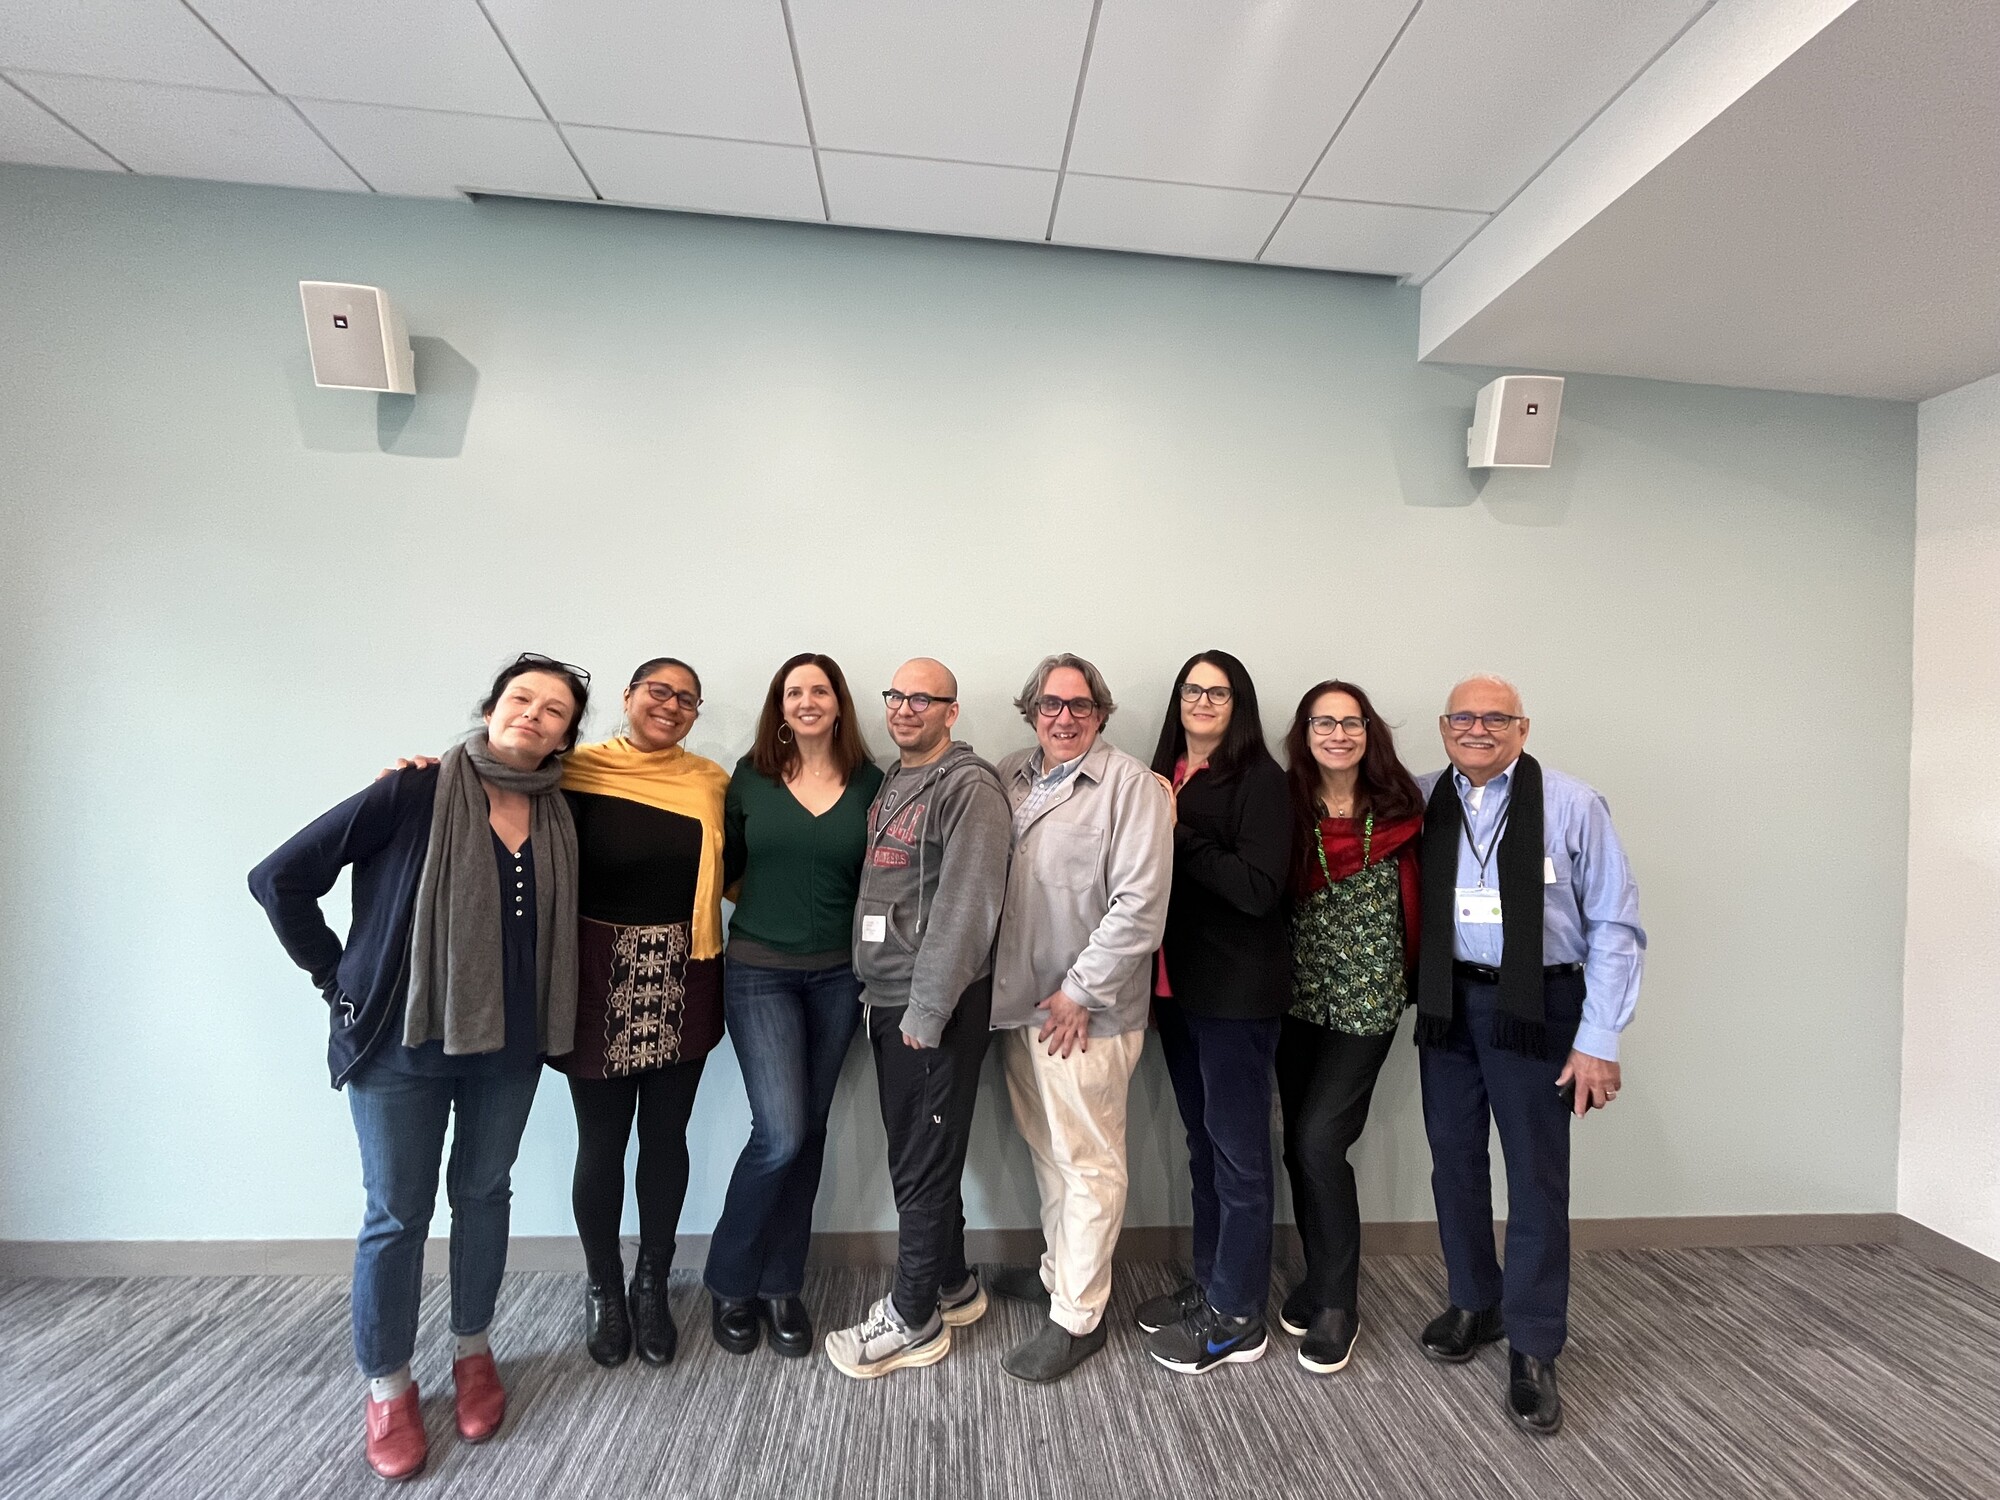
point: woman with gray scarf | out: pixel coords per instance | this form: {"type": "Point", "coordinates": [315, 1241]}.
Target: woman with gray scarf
{"type": "Point", "coordinates": [457, 978]}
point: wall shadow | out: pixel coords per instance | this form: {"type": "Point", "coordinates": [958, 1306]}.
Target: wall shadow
{"type": "Point", "coordinates": [430, 424]}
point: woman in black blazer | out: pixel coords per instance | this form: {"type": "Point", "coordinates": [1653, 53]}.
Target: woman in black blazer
{"type": "Point", "coordinates": [1223, 982]}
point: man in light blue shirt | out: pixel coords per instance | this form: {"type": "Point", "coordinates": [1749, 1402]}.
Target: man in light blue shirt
{"type": "Point", "coordinates": [1519, 1016]}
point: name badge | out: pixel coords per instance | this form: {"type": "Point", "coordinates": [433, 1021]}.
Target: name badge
{"type": "Point", "coordinates": [1548, 871]}
{"type": "Point", "coordinates": [874, 929]}
{"type": "Point", "coordinates": [1477, 906]}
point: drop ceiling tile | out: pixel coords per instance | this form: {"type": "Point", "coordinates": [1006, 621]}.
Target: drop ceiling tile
{"type": "Point", "coordinates": [1165, 218]}
{"type": "Point", "coordinates": [938, 197]}
{"type": "Point", "coordinates": [1478, 96]}
{"type": "Point", "coordinates": [165, 131]}
{"type": "Point", "coordinates": [1380, 238]}
{"type": "Point", "coordinates": [692, 172]}
{"type": "Point", "coordinates": [421, 153]}
{"type": "Point", "coordinates": [690, 67]}
{"type": "Point", "coordinates": [154, 41]}
{"type": "Point", "coordinates": [29, 133]}
{"type": "Point", "coordinates": [425, 54]}
{"type": "Point", "coordinates": [982, 83]}
{"type": "Point", "coordinates": [1234, 95]}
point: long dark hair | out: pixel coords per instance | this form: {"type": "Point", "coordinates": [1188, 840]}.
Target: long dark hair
{"type": "Point", "coordinates": [778, 758]}
{"type": "Point", "coordinates": [1381, 785]}
{"type": "Point", "coordinates": [1242, 742]}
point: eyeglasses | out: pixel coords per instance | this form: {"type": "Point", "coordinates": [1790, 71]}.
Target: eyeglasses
{"type": "Point", "coordinates": [1491, 723]}
{"type": "Point", "coordinates": [1049, 706]}
{"type": "Point", "coordinates": [1325, 724]}
{"type": "Point", "coordinates": [919, 703]}
{"type": "Point", "coordinates": [662, 692]}
{"type": "Point", "coordinates": [540, 662]}
{"type": "Point", "coordinates": [1194, 692]}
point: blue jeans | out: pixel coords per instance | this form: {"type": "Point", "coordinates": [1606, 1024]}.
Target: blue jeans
{"type": "Point", "coordinates": [1222, 1075]}
{"type": "Point", "coordinates": [791, 1028]}
{"type": "Point", "coordinates": [399, 1120]}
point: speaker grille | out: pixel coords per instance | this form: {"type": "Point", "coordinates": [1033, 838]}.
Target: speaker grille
{"type": "Point", "coordinates": [344, 328]}
{"type": "Point", "coordinates": [1525, 434]}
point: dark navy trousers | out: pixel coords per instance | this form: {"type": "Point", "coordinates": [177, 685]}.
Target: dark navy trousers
{"type": "Point", "coordinates": [1469, 1086]}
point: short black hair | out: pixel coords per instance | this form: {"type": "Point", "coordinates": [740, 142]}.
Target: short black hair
{"type": "Point", "coordinates": [646, 669]}
{"type": "Point", "coordinates": [529, 661]}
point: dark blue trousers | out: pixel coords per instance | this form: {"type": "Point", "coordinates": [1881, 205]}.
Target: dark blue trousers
{"type": "Point", "coordinates": [1222, 1073]}
{"type": "Point", "coordinates": [1470, 1085]}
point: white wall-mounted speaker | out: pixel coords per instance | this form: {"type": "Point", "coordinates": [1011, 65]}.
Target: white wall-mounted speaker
{"type": "Point", "coordinates": [357, 338]}
{"type": "Point", "coordinates": [1514, 423]}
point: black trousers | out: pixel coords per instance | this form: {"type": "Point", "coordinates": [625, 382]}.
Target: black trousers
{"type": "Point", "coordinates": [1325, 1081]}
{"type": "Point", "coordinates": [663, 1099]}
{"type": "Point", "coordinates": [927, 1096]}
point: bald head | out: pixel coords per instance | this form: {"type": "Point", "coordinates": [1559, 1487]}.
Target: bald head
{"type": "Point", "coordinates": [922, 734]}
{"type": "Point", "coordinates": [924, 674]}
{"type": "Point", "coordinates": [1492, 692]}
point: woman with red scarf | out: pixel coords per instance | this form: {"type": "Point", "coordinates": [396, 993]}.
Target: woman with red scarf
{"type": "Point", "coordinates": [1354, 950]}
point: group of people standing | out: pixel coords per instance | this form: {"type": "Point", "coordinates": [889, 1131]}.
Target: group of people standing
{"type": "Point", "coordinates": [527, 899]}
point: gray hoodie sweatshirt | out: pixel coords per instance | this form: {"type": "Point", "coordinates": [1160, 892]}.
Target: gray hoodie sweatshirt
{"type": "Point", "coordinates": [931, 888]}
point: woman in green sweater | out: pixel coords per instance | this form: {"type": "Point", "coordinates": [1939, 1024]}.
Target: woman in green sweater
{"type": "Point", "coordinates": [795, 829]}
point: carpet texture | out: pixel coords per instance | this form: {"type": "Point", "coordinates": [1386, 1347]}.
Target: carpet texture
{"type": "Point", "coordinates": [1848, 1371]}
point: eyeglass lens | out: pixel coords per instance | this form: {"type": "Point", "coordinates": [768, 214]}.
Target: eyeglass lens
{"type": "Point", "coordinates": [1191, 691]}
{"type": "Point", "coordinates": [1492, 723]}
{"type": "Point", "coordinates": [1050, 706]}
{"type": "Point", "coordinates": [1324, 724]}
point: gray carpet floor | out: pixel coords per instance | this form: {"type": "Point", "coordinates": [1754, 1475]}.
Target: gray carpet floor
{"type": "Point", "coordinates": [1824, 1372]}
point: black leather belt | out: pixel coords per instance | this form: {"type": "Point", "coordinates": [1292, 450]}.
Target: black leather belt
{"type": "Point", "coordinates": [1492, 976]}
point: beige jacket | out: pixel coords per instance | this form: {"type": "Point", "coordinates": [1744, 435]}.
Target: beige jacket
{"type": "Point", "coordinates": [1086, 893]}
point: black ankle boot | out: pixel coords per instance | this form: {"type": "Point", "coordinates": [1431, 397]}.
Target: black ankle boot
{"type": "Point", "coordinates": [607, 1331]}
{"type": "Point", "coordinates": [733, 1322]}
{"type": "Point", "coordinates": [652, 1319]}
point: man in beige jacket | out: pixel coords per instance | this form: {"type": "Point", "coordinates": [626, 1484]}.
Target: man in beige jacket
{"type": "Point", "coordinates": [1086, 902]}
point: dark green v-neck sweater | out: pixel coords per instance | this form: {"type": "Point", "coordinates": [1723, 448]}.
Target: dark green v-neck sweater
{"type": "Point", "coordinates": [800, 873]}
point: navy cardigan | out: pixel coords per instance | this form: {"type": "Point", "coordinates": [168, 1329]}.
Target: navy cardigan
{"type": "Point", "coordinates": [383, 832]}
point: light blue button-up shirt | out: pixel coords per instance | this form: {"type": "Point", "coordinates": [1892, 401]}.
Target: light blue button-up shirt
{"type": "Point", "coordinates": [1590, 910]}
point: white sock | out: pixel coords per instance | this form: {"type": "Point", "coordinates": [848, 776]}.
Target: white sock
{"type": "Point", "coordinates": [465, 1345]}
{"type": "Point", "coordinates": [389, 1387]}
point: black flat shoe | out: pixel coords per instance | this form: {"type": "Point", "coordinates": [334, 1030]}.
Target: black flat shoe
{"type": "Point", "coordinates": [791, 1327]}
{"type": "Point", "coordinates": [653, 1330]}
{"type": "Point", "coordinates": [733, 1321]}
{"type": "Point", "coordinates": [1453, 1335]}
{"type": "Point", "coordinates": [1532, 1398]}
{"type": "Point", "coordinates": [607, 1331]}
{"type": "Point", "coordinates": [1296, 1314]}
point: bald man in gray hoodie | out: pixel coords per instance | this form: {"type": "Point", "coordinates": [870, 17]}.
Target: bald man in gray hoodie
{"type": "Point", "coordinates": [924, 922]}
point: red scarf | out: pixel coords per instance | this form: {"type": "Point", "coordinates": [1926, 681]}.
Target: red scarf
{"type": "Point", "coordinates": [1394, 839]}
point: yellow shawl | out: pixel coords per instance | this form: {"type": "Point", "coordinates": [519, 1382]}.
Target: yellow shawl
{"type": "Point", "coordinates": [674, 781]}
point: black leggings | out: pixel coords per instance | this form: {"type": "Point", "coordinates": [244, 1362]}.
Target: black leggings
{"type": "Point", "coordinates": [663, 1099]}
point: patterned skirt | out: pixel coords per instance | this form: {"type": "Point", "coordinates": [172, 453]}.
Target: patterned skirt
{"type": "Point", "coordinates": [641, 1002]}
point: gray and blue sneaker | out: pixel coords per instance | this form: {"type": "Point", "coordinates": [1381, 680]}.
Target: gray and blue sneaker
{"type": "Point", "coordinates": [882, 1342]}
{"type": "Point", "coordinates": [1207, 1338]}
{"type": "Point", "coordinates": [960, 1305]}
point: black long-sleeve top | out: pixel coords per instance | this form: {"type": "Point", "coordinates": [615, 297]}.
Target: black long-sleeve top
{"type": "Point", "coordinates": [1229, 952]}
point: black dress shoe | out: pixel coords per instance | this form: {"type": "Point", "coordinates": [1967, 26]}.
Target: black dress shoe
{"type": "Point", "coordinates": [1453, 1335]}
{"type": "Point", "coordinates": [1296, 1315]}
{"type": "Point", "coordinates": [653, 1329]}
{"type": "Point", "coordinates": [791, 1327]}
{"type": "Point", "coordinates": [607, 1331]}
{"type": "Point", "coordinates": [733, 1321]}
{"type": "Point", "coordinates": [1532, 1398]}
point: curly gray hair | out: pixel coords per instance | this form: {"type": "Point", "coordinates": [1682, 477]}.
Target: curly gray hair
{"type": "Point", "coordinates": [1100, 690]}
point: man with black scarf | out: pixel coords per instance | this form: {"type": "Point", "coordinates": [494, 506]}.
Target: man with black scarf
{"type": "Point", "coordinates": [1528, 970]}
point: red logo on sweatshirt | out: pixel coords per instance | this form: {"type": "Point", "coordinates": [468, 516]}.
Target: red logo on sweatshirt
{"type": "Point", "coordinates": [906, 827]}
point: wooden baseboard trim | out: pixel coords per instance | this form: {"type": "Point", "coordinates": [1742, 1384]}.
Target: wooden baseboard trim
{"type": "Point", "coordinates": [73, 1259]}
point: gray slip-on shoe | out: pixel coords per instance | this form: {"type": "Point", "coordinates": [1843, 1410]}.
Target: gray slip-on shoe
{"type": "Point", "coordinates": [1052, 1352]}
{"type": "Point", "coordinates": [1017, 1284]}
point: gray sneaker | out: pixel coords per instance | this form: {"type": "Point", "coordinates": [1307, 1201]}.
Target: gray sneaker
{"type": "Point", "coordinates": [882, 1342]}
{"type": "Point", "coordinates": [960, 1305]}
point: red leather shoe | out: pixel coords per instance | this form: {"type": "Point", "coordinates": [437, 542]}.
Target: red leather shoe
{"type": "Point", "coordinates": [396, 1445]}
{"type": "Point", "coordinates": [482, 1403]}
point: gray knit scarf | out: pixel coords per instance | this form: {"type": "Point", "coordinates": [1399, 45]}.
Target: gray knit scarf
{"type": "Point", "coordinates": [455, 981]}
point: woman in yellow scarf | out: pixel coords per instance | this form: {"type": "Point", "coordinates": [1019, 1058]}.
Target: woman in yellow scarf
{"type": "Point", "coordinates": [649, 993]}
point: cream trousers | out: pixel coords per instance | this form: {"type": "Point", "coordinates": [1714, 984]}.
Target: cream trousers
{"type": "Point", "coordinates": [1071, 1112]}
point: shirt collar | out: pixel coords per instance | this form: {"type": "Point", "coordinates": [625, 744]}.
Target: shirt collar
{"type": "Point", "coordinates": [1466, 790]}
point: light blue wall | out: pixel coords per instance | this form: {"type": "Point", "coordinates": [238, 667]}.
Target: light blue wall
{"type": "Point", "coordinates": [230, 597]}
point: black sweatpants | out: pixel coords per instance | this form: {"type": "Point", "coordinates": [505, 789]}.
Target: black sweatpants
{"type": "Point", "coordinates": [927, 1096]}
{"type": "Point", "coordinates": [1325, 1080]}
{"type": "Point", "coordinates": [663, 1099]}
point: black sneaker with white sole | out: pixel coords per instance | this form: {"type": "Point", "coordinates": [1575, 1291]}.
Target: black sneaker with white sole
{"type": "Point", "coordinates": [1296, 1315]}
{"type": "Point", "coordinates": [1170, 1308]}
{"type": "Point", "coordinates": [1329, 1341]}
{"type": "Point", "coordinates": [1207, 1338]}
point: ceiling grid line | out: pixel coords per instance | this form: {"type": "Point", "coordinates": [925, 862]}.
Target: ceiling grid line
{"type": "Point", "coordinates": [805, 108]}
{"type": "Point", "coordinates": [1075, 109]}
{"type": "Point", "coordinates": [22, 90]}
{"type": "Point", "coordinates": [540, 103]}
{"type": "Point", "coordinates": [229, 47]}
{"type": "Point", "coordinates": [1575, 136]}
{"type": "Point", "coordinates": [1353, 104]}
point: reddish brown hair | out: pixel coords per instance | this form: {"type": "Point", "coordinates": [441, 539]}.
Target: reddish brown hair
{"type": "Point", "coordinates": [777, 757]}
